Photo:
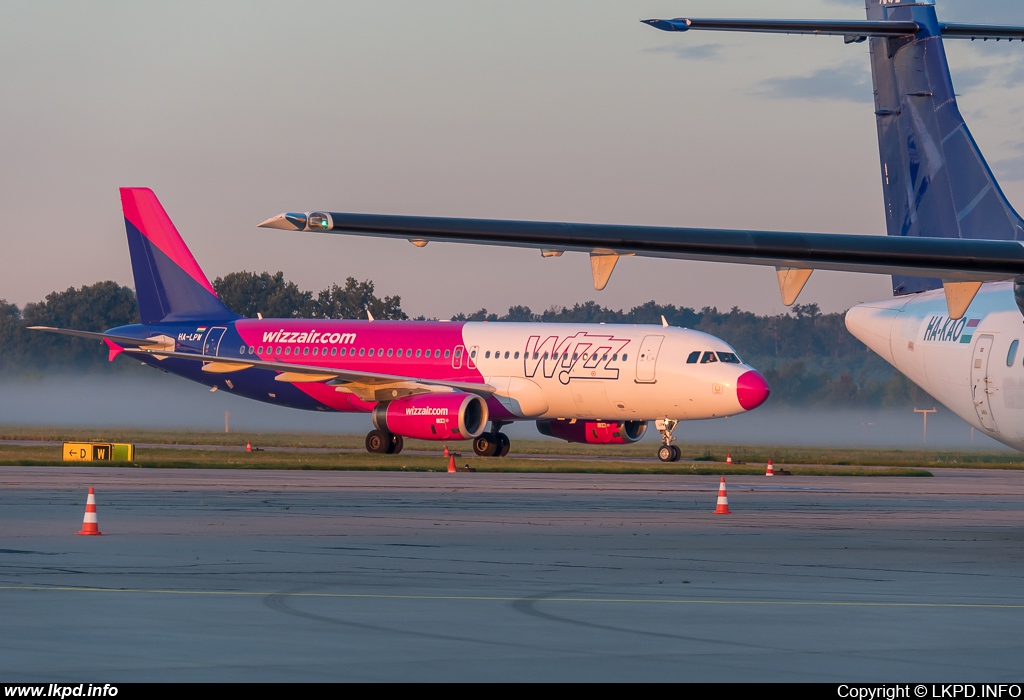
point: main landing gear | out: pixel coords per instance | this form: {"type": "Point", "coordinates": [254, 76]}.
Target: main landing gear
{"type": "Point", "coordinates": [667, 452]}
{"type": "Point", "coordinates": [492, 444]}
{"type": "Point", "coordinates": [383, 443]}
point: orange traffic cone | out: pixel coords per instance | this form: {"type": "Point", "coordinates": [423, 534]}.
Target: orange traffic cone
{"type": "Point", "coordinates": [248, 446]}
{"type": "Point", "coordinates": [90, 526]}
{"type": "Point", "coordinates": [446, 451]}
{"type": "Point", "coordinates": [728, 458]}
{"type": "Point", "coordinates": [769, 471]}
{"type": "Point", "coordinates": [451, 464]}
{"type": "Point", "coordinates": [723, 500]}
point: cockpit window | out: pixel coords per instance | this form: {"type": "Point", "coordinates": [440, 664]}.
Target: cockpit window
{"type": "Point", "coordinates": [708, 357]}
{"type": "Point", "coordinates": [729, 357]}
{"type": "Point", "coordinates": [694, 356]}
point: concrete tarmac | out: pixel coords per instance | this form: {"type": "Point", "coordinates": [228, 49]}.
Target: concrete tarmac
{"type": "Point", "coordinates": [223, 575]}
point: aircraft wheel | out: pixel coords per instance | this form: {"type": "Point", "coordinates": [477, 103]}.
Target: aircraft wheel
{"type": "Point", "coordinates": [484, 446]}
{"type": "Point", "coordinates": [397, 443]}
{"type": "Point", "coordinates": [666, 453]}
{"type": "Point", "coordinates": [676, 453]}
{"type": "Point", "coordinates": [504, 444]}
{"type": "Point", "coordinates": [378, 442]}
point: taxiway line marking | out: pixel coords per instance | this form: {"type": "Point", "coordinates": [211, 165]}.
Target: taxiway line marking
{"type": "Point", "coordinates": [519, 599]}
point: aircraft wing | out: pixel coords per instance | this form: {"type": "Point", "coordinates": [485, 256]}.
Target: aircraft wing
{"type": "Point", "coordinates": [364, 384]}
{"type": "Point", "coordinates": [962, 264]}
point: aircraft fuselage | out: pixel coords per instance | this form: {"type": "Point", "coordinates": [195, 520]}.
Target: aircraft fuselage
{"type": "Point", "coordinates": [538, 371]}
{"type": "Point", "coordinates": [973, 365]}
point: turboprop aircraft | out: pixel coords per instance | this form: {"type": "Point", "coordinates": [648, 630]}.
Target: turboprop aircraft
{"type": "Point", "coordinates": [589, 383]}
{"type": "Point", "coordinates": [954, 246]}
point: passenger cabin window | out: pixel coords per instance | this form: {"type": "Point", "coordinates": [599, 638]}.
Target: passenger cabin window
{"type": "Point", "coordinates": [371, 352]}
{"type": "Point", "coordinates": [693, 357]}
{"type": "Point", "coordinates": [1012, 354]}
{"type": "Point", "coordinates": [391, 352]}
{"type": "Point", "coordinates": [334, 351]}
{"type": "Point", "coordinates": [708, 358]}
{"type": "Point", "coordinates": [487, 355]}
{"type": "Point", "coordinates": [729, 357]}
{"type": "Point", "coordinates": [447, 354]}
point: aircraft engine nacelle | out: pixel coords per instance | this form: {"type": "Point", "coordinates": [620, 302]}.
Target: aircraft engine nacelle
{"type": "Point", "coordinates": [451, 416]}
{"type": "Point", "coordinates": [594, 432]}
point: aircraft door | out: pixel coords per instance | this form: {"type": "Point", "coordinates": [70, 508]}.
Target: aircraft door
{"type": "Point", "coordinates": [212, 343]}
{"type": "Point", "coordinates": [647, 359]}
{"type": "Point", "coordinates": [981, 382]}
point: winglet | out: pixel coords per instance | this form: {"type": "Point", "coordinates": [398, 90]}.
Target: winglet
{"type": "Point", "coordinates": [114, 349]}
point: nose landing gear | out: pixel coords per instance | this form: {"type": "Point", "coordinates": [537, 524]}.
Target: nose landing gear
{"type": "Point", "coordinates": [667, 452]}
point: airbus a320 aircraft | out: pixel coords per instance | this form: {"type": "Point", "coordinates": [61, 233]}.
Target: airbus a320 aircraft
{"type": "Point", "coordinates": [588, 383]}
{"type": "Point", "coordinates": [953, 247]}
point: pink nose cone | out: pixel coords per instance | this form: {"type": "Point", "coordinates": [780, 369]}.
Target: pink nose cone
{"type": "Point", "coordinates": [751, 390]}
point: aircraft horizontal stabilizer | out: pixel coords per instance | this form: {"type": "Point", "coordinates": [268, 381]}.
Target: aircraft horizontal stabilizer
{"type": "Point", "coordinates": [852, 30]}
{"type": "Point", "coordinates": [158, 342]}
{"type": "Point", "coordinates": [838, 27]}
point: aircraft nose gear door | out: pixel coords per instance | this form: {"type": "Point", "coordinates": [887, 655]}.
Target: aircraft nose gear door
{"type": "Point", "coordinates": [212, 343]}
{"type": "Point", "coordinates": [647, 359]}
{"type": "Point", "coordinates": [981, 382]}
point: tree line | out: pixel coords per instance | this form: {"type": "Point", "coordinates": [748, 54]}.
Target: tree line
{"type": "Point", "coordinates": [808, 358]}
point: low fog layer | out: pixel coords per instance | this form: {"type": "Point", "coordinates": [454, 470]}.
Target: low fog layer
{"type": "Point", "coordinates": [162, 401]}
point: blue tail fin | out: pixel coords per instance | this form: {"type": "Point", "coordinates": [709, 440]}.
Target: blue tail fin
{"type": "Point", "coordinates": [935, 179]}
{"type": "Point", "coordinates": [169, 284]}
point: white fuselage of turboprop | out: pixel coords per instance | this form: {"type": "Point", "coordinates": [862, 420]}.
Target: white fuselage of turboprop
{"type": "Point", "coordinates": [974, 365]}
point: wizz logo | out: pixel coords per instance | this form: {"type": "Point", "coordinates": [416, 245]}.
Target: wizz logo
{"type": "Point", "coordinates": [283, 336]}
{"type": "Point", "coordinates": [580, 356]}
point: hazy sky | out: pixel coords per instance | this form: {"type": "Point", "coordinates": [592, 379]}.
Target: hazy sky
{"type": "Point", "coordinates": [569, 110]}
